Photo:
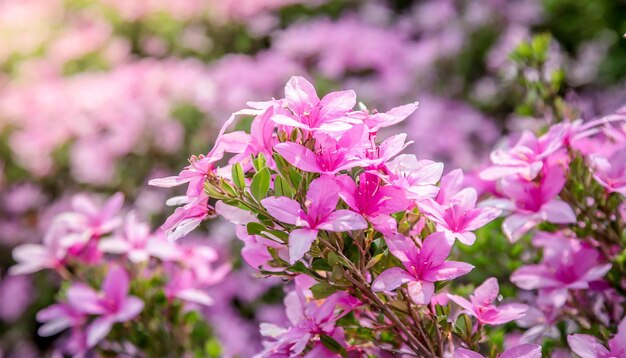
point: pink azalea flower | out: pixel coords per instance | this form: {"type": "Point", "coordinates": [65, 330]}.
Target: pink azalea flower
{"type": "Point", "coordinates": [481, 305]}
{"type": "Point", "coordinates": [450, 186]}
{"type": "Point", "coordinates": [308, 319]}
{"type": "Point", "coordinates": [611, 172]}
{"type": "Point", "coordinates": [417, 177]}
{"type": "Point", "coordinates": [375, 201]}
{"type": "Point", "coordinates": [255, 251]}
{"type": "Point", "coordinates": [422, 268]}
{"type": "Point", "coordinates": [331, 155]}
{"type": "Point", "coordinates": [261, 138]}
{"type": "Point", "coordinates": [533, 202]}
{"type": "Point", "coordinates": [137, 243]}
{"type": "Point", "coordinates": [526, 158]}
{"type": "Point", "coordinates": [58, 317]}
{"type": "Point", "coordinates": [112, 305]}
{"type": "Point", "coordinates": [572, 267]}
{"type": "Point", "coordinates": [520, 351]}
{"type": "Point", "coordinates": [377, 120]}
{"type": "Point", "coordinates": [587, 346]}
{"type": "Point", "coordinates": [312, 114]}
{"type": "Point", "coordinates": [319, 214]}
{"type": "Point", "coordinates": [51, 255]}
{"type": "Point", "coordinates": [195, 203]}
{"type": "Point", "coordinates": [93, 221]}
{"type": "Point", "coordinates": [389, 148]}
{"type": "Point", "coordinates": [460, 217]}
{"type": "Point", "coordinates": [186, 218]}
{"type": "Point", "coordinates": [183, 285]}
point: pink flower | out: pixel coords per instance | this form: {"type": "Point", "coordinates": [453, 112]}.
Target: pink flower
{"type": "Point", "coordinates": [422, 268]}
{"type": "Point", "coordinates": [375, 201]}
{"type": "Point", "coordinates": [481, 305]}
{"type": "Point", "coordinates": [308, 319]}
{"type": "Point", "coordinates": [570, 266]}
{"type": "Point", "coordinates": [587, 346]}
{"type": "Point", "coordinates": [417, 177]}
{"type": "Point", "coordinates": [520, 351]}
{"type": "Point", "coordinates": [319, 214]}
{"type": "Point", "coordinates": [331, 155]}
{"type": "Point", "coordinates": [460, 217]}
{"type": "Point", "coordinates": [312, 114]}
{"type": "Point", "coordinates": [112, 305]}
{"type": "Point", "coordinates": [51, 255]}
{"type": "Point", "coordinates": [611, 172]}
{"type": "Point", "coordinates": [378, 120]}
{"type": "Point", "coordinates": [57, 318]}
{"type": "Point", "coordinates": [93, 221]}
{"type": "Point", "coordinates": [255, 251]}
{"type": "Point", "coordinates": [533, 202]}
{"type": "Point", "coordinates": [137, 243]}
{"type": "Point", "coordinates": [526, 158]}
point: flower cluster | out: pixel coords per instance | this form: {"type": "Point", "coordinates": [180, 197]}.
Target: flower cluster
{"type": "Point", "coordinates": [564, 189]}
{"type": "Point", "coordinates": [363, 229]}
{"type": "Point", "coordinates": [116, 271]}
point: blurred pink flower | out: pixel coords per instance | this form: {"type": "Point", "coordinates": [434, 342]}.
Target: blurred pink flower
{"type": "Point", "coordinates": [112, 305]}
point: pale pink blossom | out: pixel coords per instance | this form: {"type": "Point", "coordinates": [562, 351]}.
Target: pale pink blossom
{"type": "Point", "coordinates": [481, 305]}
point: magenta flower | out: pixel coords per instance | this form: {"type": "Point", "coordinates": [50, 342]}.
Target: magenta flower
{"type": "Point", "coordinates": [312, 114]}
{"type": "Point", "coordinates": [519, 351]}
{"type": "Point", "coordinates": [112, 305]}
{"type": "Point", "coordinates": [481, 305]}
{"type": "Point", "coordinates": [422, 268]}
{"type": "Point", "coordinates": [533, 202]}
{"type": "Point", "coordinates": [575, 266]}
{"type": "Point", "coordinates": [375, 201]}
{"type": "Point", "coordinates": [526, 158]}
{"type": "Point", "coordinates": [255, 250]}
{"type": "Point", "coordinates": [587, 346]}
{"type": "Point", "coordinates": [137, 243]}
{"type": "Point", "coordinates": [331, 155]}
{"type": "Point", "coordinates": [460, 217]}
{"type": "Point", "coordinates": [611, 172]}
{"type": "Point", "coordinates": [319, 214]}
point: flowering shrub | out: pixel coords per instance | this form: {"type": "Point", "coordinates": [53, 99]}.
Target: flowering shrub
{"type": "Point", "coordinates": [103, 95]}
{"type": "Point", "coordinates": [122, 285]}
{"type": "Point", "coordinates": [364, 230]}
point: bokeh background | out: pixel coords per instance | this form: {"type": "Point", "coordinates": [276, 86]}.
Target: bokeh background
{"type": "Point", "coordinates": [101, 96]}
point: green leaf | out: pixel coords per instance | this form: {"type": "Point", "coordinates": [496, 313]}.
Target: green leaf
{"type": "Point", "coordinates": [333, 345]}
{"type": "Point", "coordinates": [321, 265]}
{"type": "Point", "coordinates": [322, 290]}
{"type": "Point", "coordinates": [238, 177]}
{"type": "Point", "coordinates": [259, 162]}
{"type": "Point", "coordinates": [260, 184]}
{"type": "Point", "coordinates": [282, 187]}
{"type": "Point", "coordinates": [255, 228]}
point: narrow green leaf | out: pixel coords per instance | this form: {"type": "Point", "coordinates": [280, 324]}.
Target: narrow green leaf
{"type": "Point", "coordinates": [333, 345]}
{"type": "Point", "coordinates": [238, 176]}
